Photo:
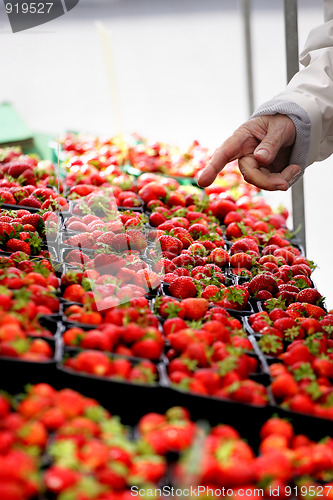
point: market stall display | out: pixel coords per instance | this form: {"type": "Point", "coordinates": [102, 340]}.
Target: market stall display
{"type": "Point", "coordinates": [128, 285]}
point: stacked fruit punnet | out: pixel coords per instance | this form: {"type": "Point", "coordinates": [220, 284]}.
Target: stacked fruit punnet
{"type": "Point", "coordinates": [25, 181]}
{"type": "Point", "coordinates": [60, 444]}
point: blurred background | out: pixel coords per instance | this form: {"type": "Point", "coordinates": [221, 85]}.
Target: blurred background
{"type": "Point", "coordinates": [180, 70]}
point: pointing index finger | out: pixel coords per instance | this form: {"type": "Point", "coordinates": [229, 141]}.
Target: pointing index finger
{"type": "Point", "coordinates": [228, 151]}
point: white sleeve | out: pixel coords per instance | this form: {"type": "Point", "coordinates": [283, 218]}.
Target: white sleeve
{"type": "Point", "coordinates": [308, 98]}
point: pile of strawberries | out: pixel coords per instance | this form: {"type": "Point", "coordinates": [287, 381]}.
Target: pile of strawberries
{"type": "Point", "coordinates": [144, 282]}
{"type": "Point", "coordinates": [98, 158]}
{"type": "Point", "coordinates": [59, 444]}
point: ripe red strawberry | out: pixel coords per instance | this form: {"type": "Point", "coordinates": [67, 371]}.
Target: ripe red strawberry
{"type": "Point", "coordinates": [243, 260]}
{"type": "Point", "coordinates": [7, 197]}
{"type": "Point", "coordinates": [172, 325]}
{"type": "Point", "coordinates": [108, 263]}
{"type": "Point", "coordinates": [137, 240]}
{"type": "Point", "coordinates": [170, 244]}
{"type": "Point", "coordinates": [233, 230]}
{"type": "Point", "coordinates": [106, 238]}
{"type": "Point", "coordinates": [198, 352]}
{"type": "Point", "coordinates": [78, 226]}
{"type": "Point", "coordinates": [277, 426]}
{"type": "Point", "coordinates": [220, 257]}
{"type": "Point", "coordinates": [313, 311]}
{"type": "Point", "coordinates": [221, 207]}
{"type": "Point", "coordinates": [195, 308]}
{"type": "Point", "coordinates": [264, 295]}
{"type": "Point", "coordinates": [30, 201]}
{"type": "Point", "coordinates": [57, 479]}
{"type": "Point", "coordinates": [211, 293]}
{"type": "Point", "coordinates": [183, 260]}
{"type": "Point", "coordinates": [169, 277]}
{"type": "Point", "coordinates": [121, 242]}
{"type": "Point", "coordinates": [301, 281]}
{"type": "Point", "coordinates": [310, 295]}
{"type": "Point", "coordinates": [152, 191]}
{"type": "Point", "coordinates": [301, 403]}
{"type": "Point", "coordinates": [6, 229]}
{"type": "Point", "coordinates": [263, 282]}
{"type": "Point", "coordinates": [33, 219]}
{"type": "Point", "coordinates": [182, 235]}
{"type": "Point", "coordinates": [234, 297]}
{"type": "Point", "coordinates": [284, 386]}
{"type": "Point", "coordinates": [94, 362]}
{"type": "Point", "coordinates": [298, 352]}
{"type": "Point", "coordinates": [197, 230]}
{"type": "Point", "coordinates": [183, 287]}
{"type": "Point", "coordinates": [82, 240]}
{"type": "Point", "coordinates": [244, 245]}
{"type": "Point", "coordinates": [297, 269]}
{"type": "Point", "coordinates": [148, 279]}
{"type": "Point", "coordinates": [156, 218]}
{"type": "Point", "coordinates": [164, 266]}
{"type": "Point", "coordinates": [16, 245]}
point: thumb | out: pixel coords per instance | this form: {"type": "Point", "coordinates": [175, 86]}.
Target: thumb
{"type": "Point", "coordinates": [279, 134]}
{"type": "Point", "coordinates": [267, 150]}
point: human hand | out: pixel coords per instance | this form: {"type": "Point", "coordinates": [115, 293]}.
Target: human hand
{"type": "Point", "coordinates": [262, 146]}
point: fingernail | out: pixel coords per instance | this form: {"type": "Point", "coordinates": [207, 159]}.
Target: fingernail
{"type": "Point", "coordinates": [263, 153]}
{"type": "Point", "coordinates": [294, 174]}
{"type": "Point", "coordinates": [281, 187]}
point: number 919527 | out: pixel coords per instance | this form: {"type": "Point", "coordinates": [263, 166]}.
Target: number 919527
{"type": "Point", "coordinates": [29, 8]}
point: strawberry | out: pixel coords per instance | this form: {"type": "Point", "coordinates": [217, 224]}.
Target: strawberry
{"type": "Point", "coordinates": [30, 201]}
{"type": "Point", "coordinates": [164, 266]}
{"type": "Point", "coordinates": [244, 245]}
{"type": "Point", "coordinates": [78, 226]}
{"type": "Point", "coordinates": [106, 238]}
{"type": "Point", "coordinates": [156, 218]}
{"type": "Point", "coordinates": [263, 282]}
{"type": "Point", "coordinates": [195, 308]}
{"type": "Point", "coordinates": [220, 257]}
{"type": "Point", "coordinates": [221, 207]}
{"type": "Point", "coordinates": [197, 230]}
{"type": "Point", "coordinates": [16, 245]}
{"type": "Point", "coordinates": [183, 260]}
{"type": "Point", "coordinates": [242, 260]}
{"type": "Point", "coordinates": [182, 235]}
{"type": "Point", "coordinates": [234, 230]}
{"type": "Point", "coordinates": [93, 362]}
{"type": "Point", "coordinates": [277, 426]}
{"type": "Point", "coordinates": [109, 263]}
{"type": "Point", "coordinates": [152, 191]}
{"type": "Point", "coordinates": [7, 197]}
{"type": "Point", "coordinates": [58, 479]}
{"type": "Point", "coordinates": [209, 378]}
{"type": "Point", "coordinates": [211, 293]}
{"type": "Point", "coordinates": [310, 295]}
{"type": "Point", "coordinates": [301, 281]}
{"type": "Point", "coordinates": [183, 287]}
{"type": "Point", "coordinates": [172, 325]}
{"type": "Point", "coordinates": [271, 345]}
{"type": "Point", "coordinates": [82, 240]}
{"type": "Point", "coordinates": [137, 240]}
{"type": "Point", "coordinates": [198, 352]}
{"type": "Point", "coordinates": [298, 352]}
{"type": "Point", "coordinates": [297, 269]}
{"type": "Point", "coordinates": [284, 386]}
{"type": "Point", "coordinates": [34, 220]}
{"type": "Point", "coordinates": [170, 244]}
